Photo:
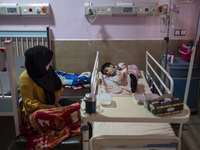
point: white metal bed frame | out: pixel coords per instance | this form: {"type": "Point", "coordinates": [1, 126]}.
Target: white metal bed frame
{"type": "Point", "coordinates": [21, 38]}
{"type": "Point", "coordinates": [149, 67]}
{"type": "Point", "coordinates": [95, 74]}
{"type": "Point", "coordinates": [86, 117]}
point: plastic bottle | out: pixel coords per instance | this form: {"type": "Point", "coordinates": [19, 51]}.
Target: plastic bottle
{"type": "Point", "coordinates": [190, 44]}
{"type": "Point", "coordinates": [172, 58]}
{"type": "Point", "coordinates": [124, 72]}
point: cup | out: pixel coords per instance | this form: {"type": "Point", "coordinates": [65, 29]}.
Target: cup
{"type": "Point", "coordinates": [90, 103]}
{"type": "Point", "coordinates": [105, 98]}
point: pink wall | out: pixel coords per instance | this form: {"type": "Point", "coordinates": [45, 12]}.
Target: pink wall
{"type": "Point", "coordinates": [68, 22]}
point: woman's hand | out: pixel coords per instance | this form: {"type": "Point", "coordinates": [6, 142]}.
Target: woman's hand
{"type": "Point", "coordinates": [57, 99]}
{"type": "Point", "coordinates": [57, 105]}
{"type": "Point", "coordinates": [50, 106]}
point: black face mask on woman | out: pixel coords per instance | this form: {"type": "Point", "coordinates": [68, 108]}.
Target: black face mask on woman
{"type": "Point", "coordinates": [36, 60]}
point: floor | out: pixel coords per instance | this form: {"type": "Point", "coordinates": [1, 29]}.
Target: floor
{"type": "Point", "coordinates": [190, 135]}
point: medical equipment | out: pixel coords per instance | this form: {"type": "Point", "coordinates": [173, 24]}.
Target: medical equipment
{"type": "Point", "coordinates": [174, 12]}
{"type": "Point", "coordinates": [121, 9]}
{"type": "Point", "coordinates": [93, 10]}
{"type": "Point", "coordinates": [24, 9]}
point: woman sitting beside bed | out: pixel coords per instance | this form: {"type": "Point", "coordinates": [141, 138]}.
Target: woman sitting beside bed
{"type": "Point", "coordinates": [44, 119]}
{"type": "Point", "coordinates": [118, 79]}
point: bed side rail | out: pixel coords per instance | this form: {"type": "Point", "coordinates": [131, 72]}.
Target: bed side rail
{"type": "Point", "coordinates": [149, 68]}
{"type": "Point", "coordinates": [24, 39]}
{"type": "Point", "coordinates": [94, 74]}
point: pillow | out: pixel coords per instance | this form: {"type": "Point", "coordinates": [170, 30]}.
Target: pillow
{"type": "Point", "coordinates": [134, 69]}
{"type": "Point", "coordinates": [131, 68]}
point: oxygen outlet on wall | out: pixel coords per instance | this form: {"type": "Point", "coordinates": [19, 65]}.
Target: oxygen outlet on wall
{"type": "Point", "coordinates": [36, 9]}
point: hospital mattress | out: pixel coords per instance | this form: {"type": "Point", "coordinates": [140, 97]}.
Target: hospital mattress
{"type": "Point", "coordinates": [139, 131]}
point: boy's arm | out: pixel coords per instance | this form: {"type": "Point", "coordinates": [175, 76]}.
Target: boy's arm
{"type": "Point", "coordinates": [99, 80]}
{"type": "Point", "coordinates": [121, 75]}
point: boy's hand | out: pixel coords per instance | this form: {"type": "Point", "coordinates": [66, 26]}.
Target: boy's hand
{"type": "Point", "coordinates": [124, 74]}
{"type": "Point", "coordinates": [121, 75]}
{"type": "Point", "coordinates": [99, 80]}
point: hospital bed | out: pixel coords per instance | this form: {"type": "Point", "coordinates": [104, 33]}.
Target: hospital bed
{"type": "Point", "coordinates": [126, 125]}
{"type": "Point", "coordinates": [15, 43]}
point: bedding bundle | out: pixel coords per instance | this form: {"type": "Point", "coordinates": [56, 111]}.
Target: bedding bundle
{"type": "Point", "coordinates": [79, 80]}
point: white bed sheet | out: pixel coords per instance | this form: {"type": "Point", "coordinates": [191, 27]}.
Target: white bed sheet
{"type": "Point", "coordinates": [119, 128]}
{"type": "Point", "coordinates": [131, 129]}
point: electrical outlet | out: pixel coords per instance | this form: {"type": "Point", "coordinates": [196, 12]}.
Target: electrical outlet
{"type": "Point", "coordinates": [177, 32]}
{"type": "Point", "coordinates": [183, 32]}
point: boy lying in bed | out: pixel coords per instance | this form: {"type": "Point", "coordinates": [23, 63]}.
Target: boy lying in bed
{"type": "Point", "coordinates": [118, 78]}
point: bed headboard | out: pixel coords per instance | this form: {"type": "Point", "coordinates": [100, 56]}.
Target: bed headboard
{"type": "Point", "coordinates": [24, 39]}
{"type": "Point", "coordinates": [93, 85]}
{"type": "Point", "coordinates": [168, 89]}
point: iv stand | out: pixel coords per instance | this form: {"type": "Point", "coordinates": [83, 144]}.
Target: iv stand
{"type": "Point", "coordinates": [192, 59]}
{"type": "Point", "coordinates": [167, 43]}
{"type": "Point", "coordinates": [167, 39]}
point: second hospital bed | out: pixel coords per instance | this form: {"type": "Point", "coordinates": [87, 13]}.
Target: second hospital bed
{"type": "Point", "coordinates": [126, 125]}
{"type": "Point", "coordinates": [14, 43]}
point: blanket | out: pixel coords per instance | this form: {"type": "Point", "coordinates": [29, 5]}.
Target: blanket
{"type": "Point", "coordinates": [122, 87]}
{"type": "Point", "coordinates": [74, 78]}
{"type": "Point", "coordinates": [46, 128]}
{"type": "Point", "coordinates": [141, 87]}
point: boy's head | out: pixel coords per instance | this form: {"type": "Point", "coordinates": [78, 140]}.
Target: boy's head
{"type": "Point", "coordinates": [108, 69]}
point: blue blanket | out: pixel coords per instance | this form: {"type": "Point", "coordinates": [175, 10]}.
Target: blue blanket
{"type": "Point", "coordinates": [74, 78]}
